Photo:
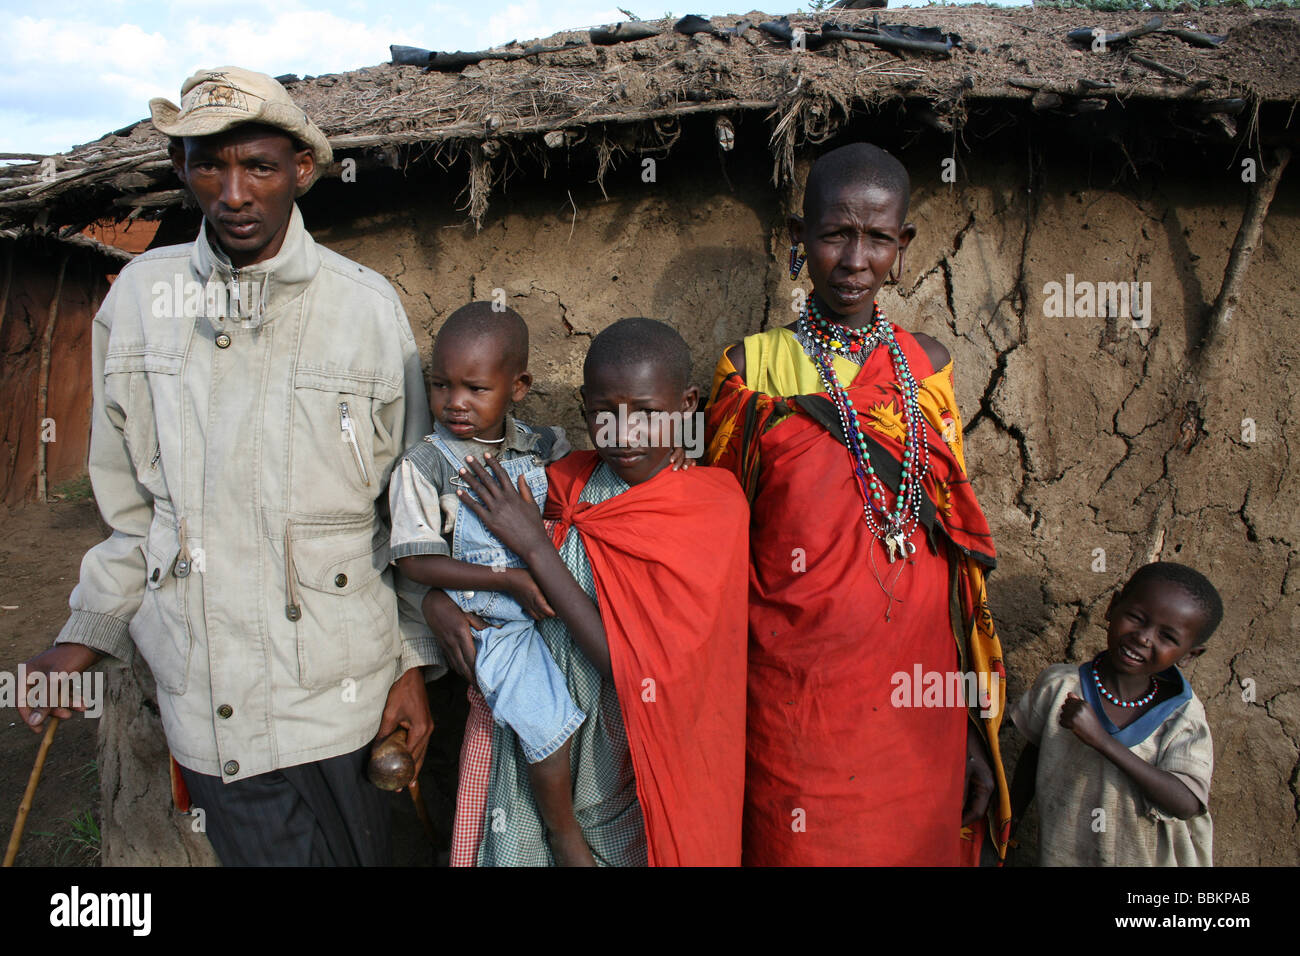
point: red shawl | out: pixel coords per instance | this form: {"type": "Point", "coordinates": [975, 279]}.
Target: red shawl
{"type": "Point", "coordinates": [670, 560]}
{"type": "Point", "coordinates": [839, 772]}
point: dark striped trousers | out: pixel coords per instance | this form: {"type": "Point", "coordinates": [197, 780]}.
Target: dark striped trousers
{"type": "Point", "coordinates": [324, 813]}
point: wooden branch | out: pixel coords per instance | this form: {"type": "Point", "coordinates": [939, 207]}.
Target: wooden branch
{"type": "Point", "coordinates": [1159, 67]}
{"type": "Point", "coordinates": [1248, 236]}
{"type": "Point", "coordinates": [163, 197]}
{"type": "Point", "coordinates": [476, 129]}
{"type": "Point", "coordinates": [43, 381]}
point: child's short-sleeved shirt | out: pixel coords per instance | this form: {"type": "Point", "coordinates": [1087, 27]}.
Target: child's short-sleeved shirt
{"type": "Point", "coordinates": [1091, 812]}
{"type": "Point", "coordinates": [422, 491]}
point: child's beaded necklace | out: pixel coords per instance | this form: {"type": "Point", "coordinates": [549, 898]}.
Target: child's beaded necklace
{"type": "Point", "coordinates": [1115, 699]}
{"type": "Point", "coordinates": [821, 339]}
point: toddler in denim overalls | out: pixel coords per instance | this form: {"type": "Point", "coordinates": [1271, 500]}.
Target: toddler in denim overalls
{"type": "Point", "coordinates": [516, 673]}
{"type": "Point", "coordinates": [477, 370]}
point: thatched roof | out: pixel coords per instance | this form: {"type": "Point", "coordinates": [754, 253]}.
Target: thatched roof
{"type": "Point", "coordinates": [629, 97]}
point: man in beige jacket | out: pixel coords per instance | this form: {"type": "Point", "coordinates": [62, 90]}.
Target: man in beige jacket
{"type": "Point", "coordinates": [252, 392]}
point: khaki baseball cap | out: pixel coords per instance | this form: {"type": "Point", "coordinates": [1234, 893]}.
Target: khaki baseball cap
{"type": "Point", "coordinates": [213, 101]}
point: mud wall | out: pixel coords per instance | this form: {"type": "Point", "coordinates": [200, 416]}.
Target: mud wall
{"type": "Point", "coordinates": [1082, 433]}
{"type": "Point", "coordinates": [35, 272]}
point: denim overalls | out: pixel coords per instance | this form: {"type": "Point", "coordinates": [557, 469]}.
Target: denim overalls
{"type": "Point", "coordinates": [515, 671]}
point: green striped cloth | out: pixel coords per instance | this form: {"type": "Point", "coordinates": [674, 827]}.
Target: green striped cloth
{"type": "Point", "coordinates": [604, 788]}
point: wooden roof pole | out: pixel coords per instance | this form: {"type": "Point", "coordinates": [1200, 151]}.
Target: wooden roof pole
{"type": "Point", "coordinates": [43, 386]}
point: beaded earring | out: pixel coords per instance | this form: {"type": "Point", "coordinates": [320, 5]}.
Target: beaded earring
{"type": "Point", "coordinates": [796, 261]}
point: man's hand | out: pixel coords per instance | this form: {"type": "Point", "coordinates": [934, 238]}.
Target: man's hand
{"type": "Point", "coordinates": [979, 780]}
{"type": "Point", "coordinates": [1079, 717]}
{"type": "Point", "coordinates": [522, 587]}
{"type": "Point", "coordinates": [451, 629]}
{"type": "Point", "coordinates": [58, 660]}
{"type": "Point", "coordinates": [408, 706]}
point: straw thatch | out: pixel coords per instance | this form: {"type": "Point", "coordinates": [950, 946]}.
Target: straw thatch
{"type": "Point", "coordinates": [630, 97]}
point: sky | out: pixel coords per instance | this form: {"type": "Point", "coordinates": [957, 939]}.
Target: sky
{"type": "Point", "coordinates": [75, 71]}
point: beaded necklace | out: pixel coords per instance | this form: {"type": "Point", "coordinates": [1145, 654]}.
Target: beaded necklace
{"type": "Point", "coordinates": [1113, 698]}
{"type": "Point", "coordinates": [821, 339]}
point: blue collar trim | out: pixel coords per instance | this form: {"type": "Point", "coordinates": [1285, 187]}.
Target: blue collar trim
{"type": "Point", "coordinates": [1149, 722]}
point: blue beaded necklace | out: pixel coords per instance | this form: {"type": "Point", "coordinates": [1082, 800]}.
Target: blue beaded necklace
{"type": "Point", "coordinates": [1114, 698]}
{"type": "Point", "coordinates": [822, 339]}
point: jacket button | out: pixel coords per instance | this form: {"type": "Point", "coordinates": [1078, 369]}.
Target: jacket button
{"type": "Point", "coordinates": [231, 768]}
{"type": "Point", "coordinates": [224, 711]}
{"type": "Point", "coordinates": [469, 595]}
{"type": "Point", "coordinates": [341, 580]}
{"type": "Point", "coordinates": [154, 577]}
{"type": "Point", "coordinates": [292, 612]}
{"type": "Point", "coordinates": [223, 341]}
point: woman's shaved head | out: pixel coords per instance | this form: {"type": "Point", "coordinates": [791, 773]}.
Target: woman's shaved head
{"type": "Point", "coordinates": [855, 165]}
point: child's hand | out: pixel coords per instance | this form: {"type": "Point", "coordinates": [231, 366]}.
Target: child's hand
{"type": "Point", "coordinates": [522, 587]}
{"type": "Point", "coordinates": [680, 461]}
{"type": "Point", "coordinates": [509, 512]}
{"type": "Point", "coordinates": [1079, 717]}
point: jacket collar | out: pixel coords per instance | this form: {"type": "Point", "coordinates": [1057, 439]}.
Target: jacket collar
{"type": "Point", "coordinates": [262, 288]}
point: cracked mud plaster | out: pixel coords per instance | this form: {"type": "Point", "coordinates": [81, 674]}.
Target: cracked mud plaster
{"type": "Point", "coordinates": [1074, 427]}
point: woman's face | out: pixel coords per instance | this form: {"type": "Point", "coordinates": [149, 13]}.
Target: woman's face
{"type": "Point", "coordinates": [852, 237]}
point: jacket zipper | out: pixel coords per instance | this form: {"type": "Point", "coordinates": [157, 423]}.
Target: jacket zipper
{"type": "Point", "coordinates": [350, 436]}
{"type": "Point", "coordinates": [153, 462]}
{"type": "Point", "coordinates": [292, 610]}
{"type": "Point", "coordinates": [234, 294]}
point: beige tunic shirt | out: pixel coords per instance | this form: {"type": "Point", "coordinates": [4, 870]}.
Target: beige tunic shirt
{"type": "Point", "coordinates": [1091, 812]}
{"type": "Point", "coordinates": [243, 430]}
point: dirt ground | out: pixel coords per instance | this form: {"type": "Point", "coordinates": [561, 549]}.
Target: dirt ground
{"type": "Point", "coordinates": [40, 552]}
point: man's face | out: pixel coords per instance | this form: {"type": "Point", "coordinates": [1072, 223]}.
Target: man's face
{"type": "Point", "coordinates": [245, 181]}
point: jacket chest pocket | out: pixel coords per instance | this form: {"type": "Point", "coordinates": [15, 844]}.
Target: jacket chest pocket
{"type": "Point", "coordinates": [343, 606]}
{"type": "Point", "coordinates": [334, 437]}
{"type": "Point", "coordinates": [144, 384]}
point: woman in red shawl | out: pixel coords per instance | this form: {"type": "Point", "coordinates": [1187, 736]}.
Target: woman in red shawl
{"type": "Point", "coordinates": [867, 549]}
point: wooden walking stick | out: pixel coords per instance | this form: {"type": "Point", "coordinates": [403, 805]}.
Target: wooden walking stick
{"type": "Point", "coordinates": [422, 812]}
{"type": "Point", "coordinates": [391, 767]}
{"type": "Point", "coordinates": [20, 821]}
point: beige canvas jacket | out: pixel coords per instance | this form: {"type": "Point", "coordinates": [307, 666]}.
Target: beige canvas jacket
{"type": "Point", "coordinates": [243, 431]}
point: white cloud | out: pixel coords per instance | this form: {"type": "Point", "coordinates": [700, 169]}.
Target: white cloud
{"type": "Point", "coordinates": [76, 71]}
{"type": "Point", "coordinates": [302, 42]}
{"type": "Point", "coordinates": [533, 20]}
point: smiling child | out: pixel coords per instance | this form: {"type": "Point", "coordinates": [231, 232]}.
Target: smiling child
{"type": "Point", "coordinates": [1119, 751]}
